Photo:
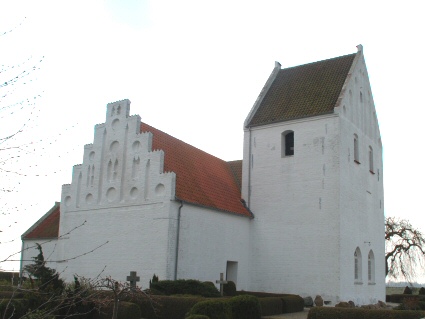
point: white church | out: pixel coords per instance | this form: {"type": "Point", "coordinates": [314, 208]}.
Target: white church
{"type": "Point", "coordinates": [301, 213]}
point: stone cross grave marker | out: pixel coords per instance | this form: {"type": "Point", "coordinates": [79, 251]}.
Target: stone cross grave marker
{"type": "Point", "coordinates": [222, 282]}
{"type": "Point", "coordinates": [133, 278]}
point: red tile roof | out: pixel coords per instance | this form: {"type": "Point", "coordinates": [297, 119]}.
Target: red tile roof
{"type": "Point", "coordinates": [202, 179]}
{"type": "Point", "coordinates": [47, 226]}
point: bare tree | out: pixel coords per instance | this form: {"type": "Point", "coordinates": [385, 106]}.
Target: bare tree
{"type": "Point", "coordinates": [18, 112]}
{"type": "Point", "coordinates": [405, 249]}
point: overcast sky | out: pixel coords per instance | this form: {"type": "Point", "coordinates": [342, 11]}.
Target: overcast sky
{"type": "Point", "coordinates": [192, 69]}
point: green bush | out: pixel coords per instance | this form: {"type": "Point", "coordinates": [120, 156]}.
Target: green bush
{"type": "Point", "coordinates": [197, 317]}
{"type": "Point", "coordinates": [11, 294]}
{"type": "Point", "coordinates": [38, 314]}
{"type": "Point", "coordinates": [292, 303]}
{"type": "Point", "coordinates": [214, 309]}
{"type": "Point", "coordinates": [8, 275]}
{"type": "Point", "coordinates": [259, 294]}
{"type": "Point", "coordinates": [184, 287]}
{"type": "Point", "coordinates": [15, 309]}
{"type": "Point", "coordinates": [245, 307]}
{"type": "Point", "coordinates": [126, 310]}
{"type": "Point", "coordinates": [359, 313]}
{"type": "Point", "coordinates": [176, 307]}
{"type": "Point", "coordinates": [399, 298]}
{"type": "Point", "coordinates": [407, 291]}
{"type": "Point", "coordinates": [270, 306]}
{"type": "Point", "coordinates": [422, 291]}
{"type": "Point", "coordinates": [229, 289]}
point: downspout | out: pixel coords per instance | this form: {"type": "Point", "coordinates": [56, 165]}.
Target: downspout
{"type": "Point", "coordinates": [177, 240]}
{"type": "Point", "coordinates": [21, 271]}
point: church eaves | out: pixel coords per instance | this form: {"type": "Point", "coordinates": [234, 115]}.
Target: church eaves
{"type": "Point", "coordinates": [303, 91]}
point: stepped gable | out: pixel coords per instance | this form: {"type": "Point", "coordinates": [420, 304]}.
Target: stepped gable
{"type": "Point", "coordinates": [303, 91]}
{"type": "Point", "coordinates": [47, 226]}
{"type": "Point", "coordinates": [201, 179]}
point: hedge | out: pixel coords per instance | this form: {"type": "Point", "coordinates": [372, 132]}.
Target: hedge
{"type": "Point", "coordinates": [126, 310]}
{"type": "Point", "coordinates": [292, 303]}
{"type": "Point", "coordinates": [398, 298]}
{"type": "Point", "coordinates": [184, 287]}
{"type": "Point", "coordinates": [359, 313]}
{"type": "Point", "coordinates": [245, 307]}
{"type": "Point", "coordinates": [197, 317]}
{"type": "Point", "coordinates": [270, 306]}
{"type": "Point", "coordinates": [213, 308]}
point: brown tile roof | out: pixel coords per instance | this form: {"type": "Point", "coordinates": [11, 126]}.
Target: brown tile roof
{"type": "Point", "coordinates": [47, 226]}
{"type": "Point", "coordinates": [202, 179]}
{"type": "Point", "coordinates": [302, 91]}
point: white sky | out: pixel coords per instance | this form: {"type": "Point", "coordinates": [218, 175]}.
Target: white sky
{"type": "Point", "coordinates": [193, 69]}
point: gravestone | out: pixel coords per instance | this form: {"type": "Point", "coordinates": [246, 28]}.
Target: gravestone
{"type": "Point", "coordinates": [222, 282]}
{"type": "Point", "coordinates": [133, 278]}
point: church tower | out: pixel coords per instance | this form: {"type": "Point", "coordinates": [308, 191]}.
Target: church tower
{"type": "Point", "coordinates": [312, 176]}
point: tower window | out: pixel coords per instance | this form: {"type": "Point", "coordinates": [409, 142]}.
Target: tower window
{"type": "Point", "coordinates": [371, 160]}
{"type": "Point", "coordinates": [356, 148]}
{"type": "Point", "coordinates": [287, 143]}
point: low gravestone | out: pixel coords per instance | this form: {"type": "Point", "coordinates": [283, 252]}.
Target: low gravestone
{"type": "Point", "coordinates": [318, 301]}
{"type": "Point", "coordinates": [308, 301]}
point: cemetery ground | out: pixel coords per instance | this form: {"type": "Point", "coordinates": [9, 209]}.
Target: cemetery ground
{"type": "Point", "coordinates": [173, 304]}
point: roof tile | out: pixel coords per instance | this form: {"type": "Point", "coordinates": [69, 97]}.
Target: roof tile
{"type": "Point", "coordinates": [202, 179]}
{"type": "Point", "coordinates": [305, 90]}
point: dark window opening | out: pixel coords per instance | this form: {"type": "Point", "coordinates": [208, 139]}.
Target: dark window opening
{"type": "Point", "coordinates": [289, 144]}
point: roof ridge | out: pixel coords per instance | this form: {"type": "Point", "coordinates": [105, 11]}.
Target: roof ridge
{"type": "Point", "coordinates": [319, 61]}
{"type": "Point", "coordinates": [181, 141]}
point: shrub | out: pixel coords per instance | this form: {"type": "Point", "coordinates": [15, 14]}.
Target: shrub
{"type": "Point", "coordinates": [214, 309]}
{"type": "Point", "coordinates": [39, 314]}
{"type": "Point", "coordinates": [181, 286]}
{"type": "Point", "coordinates": [270, 306]}
{"type": "Point", "coordinates": [126, 310]}
{"type": "Point", "coordinates": [359, 313]}
{"type": "Point", "coordinates": [175, 307]}
{"type": "Point", "coordinates": [422, 291]}
{"type": "Point", "coordinates": [407, 291]}
{"type": "Point", "coordinates": [15, 309]}
{"type": "Point", "coordinates": [245, 307]}
{"type": "Point", "coordinates": [292, 303]}
{"type": "Point", "coordinates": [229, 289]}
{"type": "Point", "coordinates": [399, 298]}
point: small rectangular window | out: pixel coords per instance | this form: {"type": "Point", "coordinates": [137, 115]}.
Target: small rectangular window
{"type": "Point", "coordinates": [287, 143]}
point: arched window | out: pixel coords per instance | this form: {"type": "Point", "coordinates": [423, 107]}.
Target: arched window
{"type": "Point", "coordinates": [358, 265]}
{"type": "Point", "coordinates": [287, 143]}
{"type": "Point", "coordinates": [371, 169]}
{"type": "Point", "coordinates": [371, 267]}
{"type": "Point", "coordinates": [356, 148]}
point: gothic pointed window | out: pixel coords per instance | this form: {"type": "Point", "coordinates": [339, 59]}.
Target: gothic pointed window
{"type": "Point", "coordinates": [287, 140]}
{"type": "Point", "coordinates": [371, 267]}
{"type": "Point", "coordinates": [357, 266]}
